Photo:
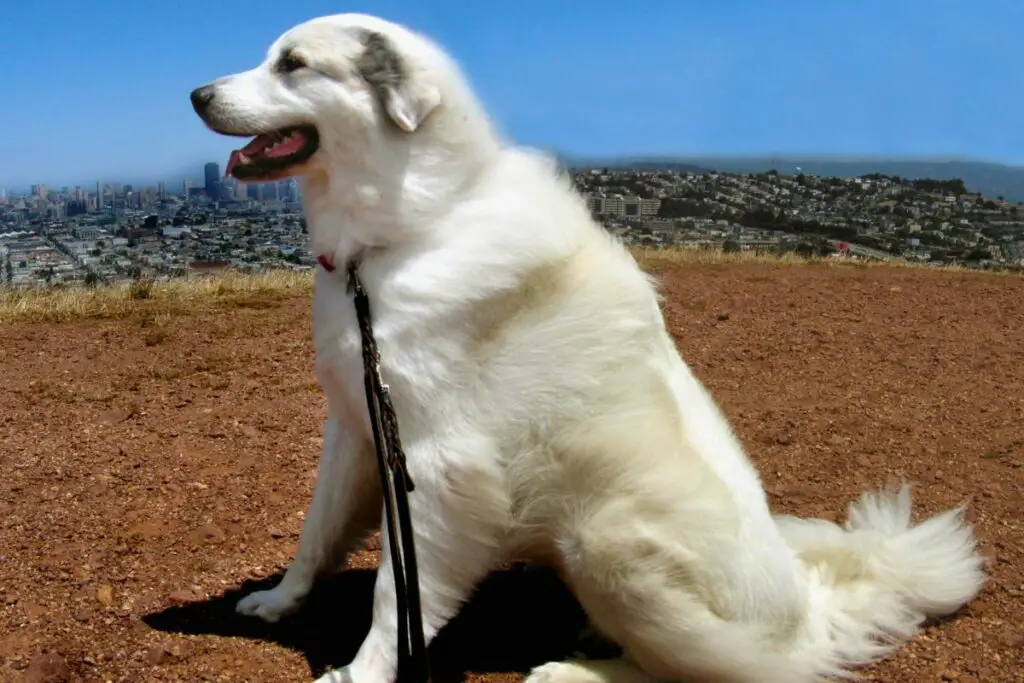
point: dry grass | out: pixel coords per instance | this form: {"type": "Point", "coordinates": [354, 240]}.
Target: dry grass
{"type": "Point", "coordinates": [178, 296]}
{"type": "Point", "coordinates": [234, 289]}
{"type": "Point", "coordinates": [652, 258]}
{"type": "Point", "coordinates": [702, 256]}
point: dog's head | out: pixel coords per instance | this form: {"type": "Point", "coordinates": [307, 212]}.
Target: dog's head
{"type": "Point", "coordinates": [328, 91]}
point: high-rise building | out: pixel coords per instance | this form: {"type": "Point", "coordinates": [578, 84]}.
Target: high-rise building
{"type": "Point", "coordinates": [240, 191]}
{"type": "Point", "coordinates": [161, 190]}
{"type": "Point", "coordinates": [186, 185]}
{"type": "Point", "coordinates": [3, 194]}
{"type": "Point", "coordinates": [212, 176]}
{"type": "Point", "coordinates": [99, 194]}
{"type": "Point", "coordinates": [291, 190]}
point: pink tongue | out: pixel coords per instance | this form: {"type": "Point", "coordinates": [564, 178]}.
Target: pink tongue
{"type": "Point", "coordinates": [233, 161]}
{"type": "Point", "coordinates": [258, 144]}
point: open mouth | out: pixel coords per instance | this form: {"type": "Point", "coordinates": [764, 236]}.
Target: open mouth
{"type": "Point", "coordinates": [275, 155]}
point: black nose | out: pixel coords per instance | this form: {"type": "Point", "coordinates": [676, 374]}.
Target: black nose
{"type": "Point", "coordinates": [201, 98]}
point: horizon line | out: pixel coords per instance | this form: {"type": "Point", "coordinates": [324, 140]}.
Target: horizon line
{"type": "Point", "coordinates": [630, 158]}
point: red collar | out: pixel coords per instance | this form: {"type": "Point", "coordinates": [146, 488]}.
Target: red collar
{"type": "Point", "coordinates": [325, 262]}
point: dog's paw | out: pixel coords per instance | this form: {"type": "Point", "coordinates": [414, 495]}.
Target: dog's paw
{"type": "Point", "coordinates": [347, 675]}
{"type": "Point", "coordinates": [562, 672]}
{"type": "Point", "coordinates": [270, 606]}
{"type": "Point", "coordinates": [336, 676]}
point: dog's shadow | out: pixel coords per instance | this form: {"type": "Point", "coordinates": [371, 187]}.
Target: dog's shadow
{"type": "Point", "coordinates": [518, 618]}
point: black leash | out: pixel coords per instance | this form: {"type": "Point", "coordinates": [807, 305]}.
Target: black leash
{"type": "Point", "coordinates": [396, 484]}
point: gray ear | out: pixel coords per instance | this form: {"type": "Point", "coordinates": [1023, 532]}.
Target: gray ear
{"type": "Point", "coordinates": [406, 103]}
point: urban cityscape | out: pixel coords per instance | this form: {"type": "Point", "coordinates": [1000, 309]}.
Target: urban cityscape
{"type": "Point", "coordinates": [115, 232]}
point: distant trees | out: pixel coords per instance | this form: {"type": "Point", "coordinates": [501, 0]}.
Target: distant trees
{"type": "Point", "coordinates": [810, 248]}
{"type": "Point", "coordinates": [953, 187]}
{"type": "Point", "coordinates": [674, 207]}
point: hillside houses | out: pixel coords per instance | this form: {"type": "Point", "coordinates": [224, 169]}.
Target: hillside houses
{"type": "Point", "coordinates": [924, 220]}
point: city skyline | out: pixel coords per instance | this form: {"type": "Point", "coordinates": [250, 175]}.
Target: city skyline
{"type": "Point", "coordinates": [600, 80]}
{"type": "Point", "coordinates": [211, 183]}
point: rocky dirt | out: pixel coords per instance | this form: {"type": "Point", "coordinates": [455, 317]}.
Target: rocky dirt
{"type": "Point", "coordinates": [152, 470]}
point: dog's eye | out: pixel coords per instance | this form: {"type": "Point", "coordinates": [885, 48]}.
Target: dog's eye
{"type": "Point", "coordinates": [290, 62]}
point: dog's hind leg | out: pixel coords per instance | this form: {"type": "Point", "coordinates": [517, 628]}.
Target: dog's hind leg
{"type": "Point", "coordinates": [345, 506]}
{"type": "Point", "coordinates": [633, 577]}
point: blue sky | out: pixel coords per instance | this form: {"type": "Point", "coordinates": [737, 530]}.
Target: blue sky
{"type": "Point", "coordinates": [99, 88]}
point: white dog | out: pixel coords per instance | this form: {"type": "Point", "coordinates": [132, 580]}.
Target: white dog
{"type": "Point", "coordinates": [545, 410]}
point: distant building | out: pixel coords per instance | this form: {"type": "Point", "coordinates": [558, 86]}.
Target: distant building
{"type": "Point", "coordinates": [212, 176]}
{"type": "Point", "coordinates": [617, 205]}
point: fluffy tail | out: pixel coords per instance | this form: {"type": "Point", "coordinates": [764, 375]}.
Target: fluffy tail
{"type": "Point", "coordinates": [875, 580]}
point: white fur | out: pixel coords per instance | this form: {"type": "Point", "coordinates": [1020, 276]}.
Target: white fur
{"type": "Point", "coordinates": [546, 412]}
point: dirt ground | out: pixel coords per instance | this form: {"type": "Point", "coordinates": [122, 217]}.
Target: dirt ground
{"type": "Point", "coordinates": [154, 470]}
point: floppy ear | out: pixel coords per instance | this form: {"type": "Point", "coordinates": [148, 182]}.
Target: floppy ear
{"type": "Point", "coordinates": [406, 103]}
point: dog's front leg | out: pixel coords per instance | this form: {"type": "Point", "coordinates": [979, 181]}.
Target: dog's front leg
{"type": "Point", "coordinates": [458, 518]}
{"type": "Point", "coordinates": [346, 504]}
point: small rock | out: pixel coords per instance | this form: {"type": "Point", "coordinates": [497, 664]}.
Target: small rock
{"type": "Point", "coordinates": [156, 655]}
{"type": "Point", "coordinates": [181, 597]}
{"type": "Point", "coordinates": [105, 595]}
{"type": "Point", "coordinates": [168, 652]}
{"type": "Point", "coordinates": [177, 651]}
{"type": "Point", "coordinates": [1012, 640]}
{"type": "Point", "coordinates": [277, 533]}
{"type": "Point", "coordinates": [722, 317]}
{"type": "Point", "coordinates": [48, 667]}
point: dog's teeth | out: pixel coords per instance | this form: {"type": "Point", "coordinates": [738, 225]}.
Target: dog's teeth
{"type": "Point", "coordinates": [243, 159]}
